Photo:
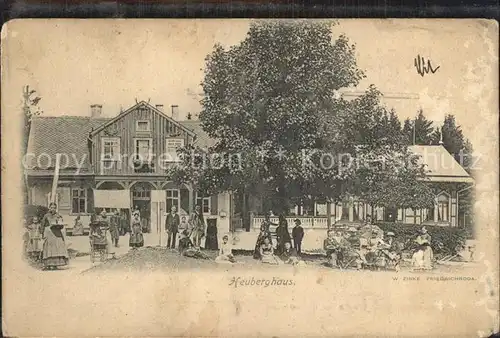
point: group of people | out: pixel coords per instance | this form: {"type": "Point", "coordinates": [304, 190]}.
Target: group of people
{"type": "Point", "coordinates": [191, 232]}
{"type": "Point", "coordinates": [284, 253]}
{"type": "Point", "coordinates": [45, 241]}
{"type": "Point", "coordinates": [370, 247]}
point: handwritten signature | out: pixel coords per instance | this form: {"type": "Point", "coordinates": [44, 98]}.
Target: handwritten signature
{"type": "Point", "coordinates": [423, 67]}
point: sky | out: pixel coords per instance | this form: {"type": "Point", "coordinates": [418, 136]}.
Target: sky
{"type": "Point", "coordinates": [75, 63]}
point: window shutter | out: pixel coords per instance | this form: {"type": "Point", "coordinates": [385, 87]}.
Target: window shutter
{"type": "Point", "coordinates": [214, 208]}
{"type": "Point", "coordinates": [184, 201]}
{"type": "Point", "coordinates": [90, 200]}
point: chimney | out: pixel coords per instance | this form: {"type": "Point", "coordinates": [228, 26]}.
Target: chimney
{"type": "Point", "coordinates": [160, 108]}
{"type": "Point", "coordinates": [175, 112]}
{"type": "Point", "coordinates": [95, 110]}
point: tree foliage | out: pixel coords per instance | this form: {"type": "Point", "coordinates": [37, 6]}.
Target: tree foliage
{"type": "Point", "coordinates": [30, 109]}
{"type": "Point", "coordinates": [418, 131]}
{"type": "Point", "coordinates": [269, 101]}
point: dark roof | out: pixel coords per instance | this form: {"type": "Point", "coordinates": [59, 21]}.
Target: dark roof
{"type": "Point", "coordinates": [68, 135]}
{"type": "Point", "coordinates": [62, 134]}
{"type": "Point", "coordinates": [202, 138]}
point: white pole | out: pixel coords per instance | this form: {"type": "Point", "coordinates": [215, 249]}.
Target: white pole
{"type": "Point", "coordinates": [56, 179]}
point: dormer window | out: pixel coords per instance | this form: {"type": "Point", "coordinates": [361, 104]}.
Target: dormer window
{"type": "Point", "coordinates": [143, 126]}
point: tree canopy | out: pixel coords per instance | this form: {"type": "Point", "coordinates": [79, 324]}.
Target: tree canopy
{"type": "Point", "coordinates": [280, 130]}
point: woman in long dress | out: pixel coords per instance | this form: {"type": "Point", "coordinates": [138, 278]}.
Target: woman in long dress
{"type": "Point", "coordinates": [424, 256]}
{"type": "Point", "coordinates": [55, 253]}
{"type": "Point", "coordinates": [211, 241]}
{"type": "Point", "coordinates": [136, 238]}
{"type": "Point", "coordinates": [282, 234]}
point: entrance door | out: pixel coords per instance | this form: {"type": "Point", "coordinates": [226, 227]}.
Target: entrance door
{"type": "Point", "coordinates": [141, 199]}
{"type": "Point", "coordinates": [391, 214]}
{"type": "Point", "coordinates": [157, 211]}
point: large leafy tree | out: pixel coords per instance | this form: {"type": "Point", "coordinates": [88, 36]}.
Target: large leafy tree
{"type": "Point", "coordinates": [266, 98]}
{"type": "Point", "coordinates": [270, 103]}
{"type": "Point", "coordinates": [385, 172]}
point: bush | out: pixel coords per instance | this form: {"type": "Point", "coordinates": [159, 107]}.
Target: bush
{"type": "Point", "coordinates": [31, 211]}
{"type": "Point", "coordinates": [445, 240]}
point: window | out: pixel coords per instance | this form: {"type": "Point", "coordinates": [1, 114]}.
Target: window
{"type": "Point", "coordinates": [171, 146]}
{"type": "Point", "coordinates": [443, 208]}
{"type": "Point", "coordinates": [110, 148]}
{"type": "Point", "coordinates": [79, 200]}
{"type": "Point", "coordinates": [204, 203]}
{"type": "Point", "coordinates": [172, 199]}
{"type": "Point", "coordinates": [144, 148]}
{"type": "Point", "coordinates": [142, 125]}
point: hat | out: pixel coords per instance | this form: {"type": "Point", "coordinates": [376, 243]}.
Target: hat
{"type": "Point", "coordinates": [390, 233]}
{"type": "Point", "coordinates": [352, 229]}
{"type": "Point", "coordinates": [423, 230]}
{"type": "Point", "coordinates": [297, 221]}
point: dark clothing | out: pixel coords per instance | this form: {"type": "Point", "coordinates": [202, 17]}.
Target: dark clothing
{"type": "Point", "coordinates": [113, 229]}
{"type": "Point", "coordinates": [172, 222]}
{"type": "Point", "coordinates": [172, 227]}
{"type": "Point", "coordinates": [260, 241]}
{"type": "Point", "coordinates": [211, 241]}
{"type": "Point", "coordinates": [282, 236]}
{"type": "Point", "coordinates": [298, 235]}
{"type": "Point", "coordinates": [171, 238]}
{"type": "Point", "coordinates": [184, 244]}
{"type": "Point", "coordinates": [287, 254]}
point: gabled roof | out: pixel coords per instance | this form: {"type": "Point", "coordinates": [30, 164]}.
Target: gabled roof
{"type": "Point", "coordinates": [440, 164]}
{"type": "Point", "coordinates": [138, 105]}
{"type": "Point", "coordinates": [68, 135]}
{"type": "Point", "coordinates": [202, 139]}
{"type": "Point", "coordinates": [61, 134]}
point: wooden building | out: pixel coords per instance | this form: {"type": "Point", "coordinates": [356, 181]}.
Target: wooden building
{"type": "Point", "coordinates": [117, 163]}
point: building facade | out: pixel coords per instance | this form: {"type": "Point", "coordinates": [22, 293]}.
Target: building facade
{"type": "Point", "coordinates": [116, 163]}
{"type": "Point", "coordinates": [120, 162]}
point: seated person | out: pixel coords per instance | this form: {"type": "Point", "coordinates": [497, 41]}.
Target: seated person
{"type": "Point", "coordinates": [187, 249]}
{"type": "Point", "coordinates": [266, 251]}
{"type": "Point", "coordinates": [289, 255]}
{"type": "Point", "coordinates": [225, 251]}
{"type": "Point", "coordinates": [335, 246]}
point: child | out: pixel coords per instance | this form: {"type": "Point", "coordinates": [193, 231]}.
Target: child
{"type": "Point", "coordinates": [289, 255]}
{"type": "Point", "coordinates": [225, 251]}
{"type": "Point", "coordinates": [35, 244]}
{"type": "Point", "coordinates": [267, 253]}
{"type": "Point", "coordinates": [298, 235]}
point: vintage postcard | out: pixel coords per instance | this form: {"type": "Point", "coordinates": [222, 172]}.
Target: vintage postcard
{"type": "Point", "coordinates": [236, 178]}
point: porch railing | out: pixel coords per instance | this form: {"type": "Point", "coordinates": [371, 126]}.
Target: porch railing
{"type": "Point", "coordinates": [307, 222]}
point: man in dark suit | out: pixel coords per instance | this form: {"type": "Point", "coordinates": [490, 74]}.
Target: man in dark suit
{"type": "Point", "coordinates": [297, 235]}
{"type": "Point", "coordinates": [172, 227]}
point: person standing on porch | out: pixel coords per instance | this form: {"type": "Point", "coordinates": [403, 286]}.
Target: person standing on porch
{"type": "Point", "coordinates": [198, 226]}
{"type": "Point", "coordinates": [297, 235]}
{"type": "Point", "coordinates": [172, 227]}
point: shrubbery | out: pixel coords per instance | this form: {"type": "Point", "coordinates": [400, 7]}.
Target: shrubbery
{"type": "Point", "coordinates": [445, 240]}
{"type": "Point", "coordinates": [35, 210]}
